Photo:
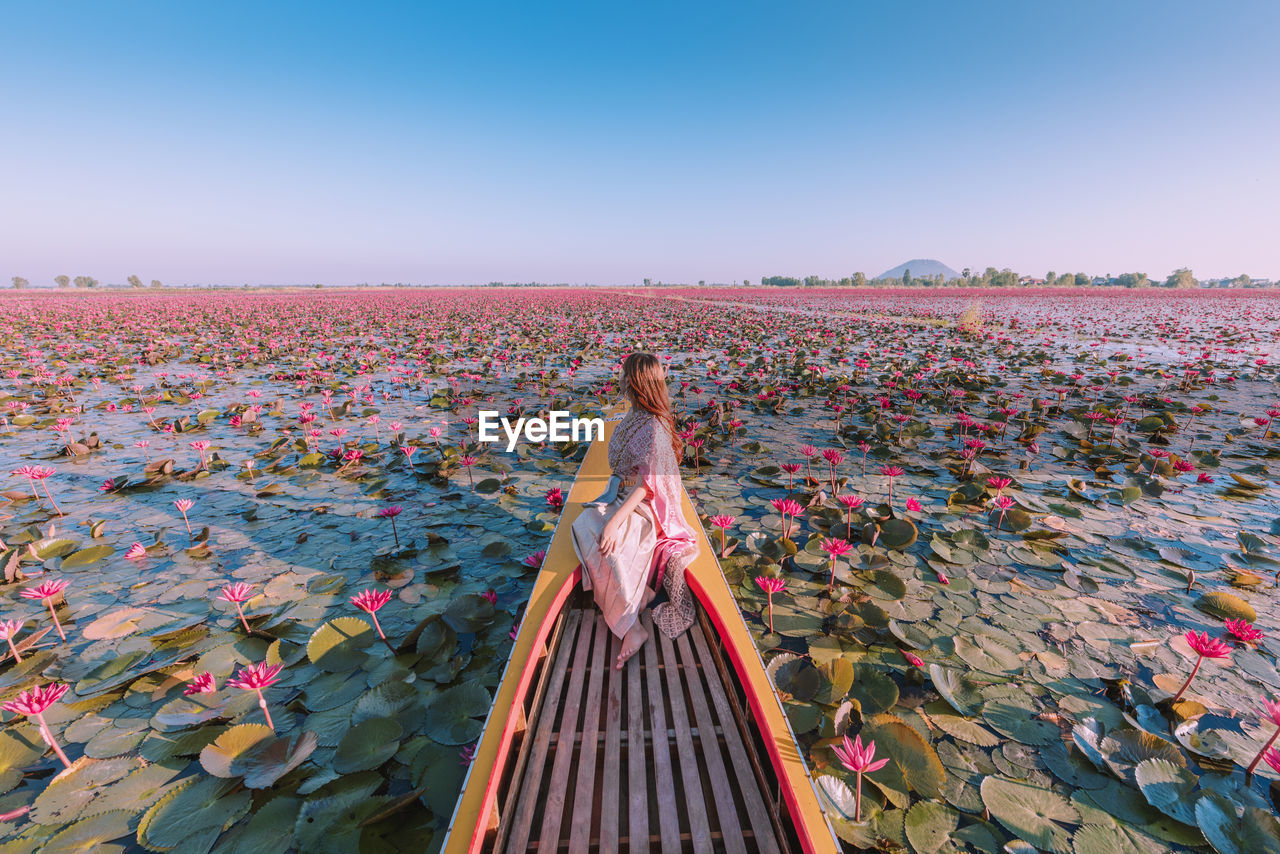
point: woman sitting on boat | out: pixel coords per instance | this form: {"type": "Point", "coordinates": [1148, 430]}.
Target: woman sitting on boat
{"type": "Point", "coordinates": [640, 538]}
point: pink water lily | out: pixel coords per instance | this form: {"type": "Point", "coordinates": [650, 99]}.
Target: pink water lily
{"type": "Point", "coordinates": [370, 601]}
{"type": "Point", "coordinates": [787, 508]}
{"type": "Point", "coordinates": [1003, 502]}
{"type": "Point", "coordinates": [29, 472]}
{"type": "Point", "coordinates": [835, 548]}
{"type": "Point", "coordinates": [808, 451]}
{"type": "Point", "coordinates": [833, 458]}
{"type": "Point", "coordinates": [8, 630]}
{"type": "Point", "coordinates": [999, 484]}
{"type": "Point", "coordinates": [850, 503]}
{"type": "Point", "coordinates": [1244, 631]}
{"type": "Point", "coordinates": [46, 592]}
{"type": "Point", "coordinates": [467, 461]}
{"type": "Point", "coordinates": [202, 445]}
{"type": "Point", "coordinates": [183, 505]}
{"type": "Point", "coordinates": [790, 469]}
{"type": "Point", "coordinates": [1271, 715]}
{"type": "Point", "coordinates": [39, 474]}
{"type": "Point", "coordinates": [770, 585]}
{"type": "Point", "coordinates": [33, 703]}
{"type": "Point", "coordinates": [257, 677]}
{"type": "Point", "coordinates": [238, 593]}
{"type": "Point", "coordinates": [391, 513]}
{"type": "Point", "coordinates": [891, 472]}
{"type": "Point", "coordinates": [722, 522]}
{"type": "Point", "coordinates": [202, 684]}
{"type": "Point", "coordinates": [1204, 647]}
{"type": "Point", "coordinates": [858, 759]}
{"type": "Point", "coordinates": [136, 551]}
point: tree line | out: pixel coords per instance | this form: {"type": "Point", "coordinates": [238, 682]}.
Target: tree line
{"type": "Point", "coordinates": [1006, 278]}
{"type": "Point", "coordinates": [83, 282]}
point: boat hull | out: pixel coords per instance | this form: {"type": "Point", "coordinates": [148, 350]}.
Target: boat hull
{"type": "Point", "coordinates": [477, 823]}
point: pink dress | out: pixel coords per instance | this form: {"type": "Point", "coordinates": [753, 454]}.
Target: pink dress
{"type": "Point", "coordinates": [657, 544]}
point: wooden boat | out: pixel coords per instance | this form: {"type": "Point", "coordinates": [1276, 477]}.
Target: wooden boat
{"type": "Point", "coordinates": [686, 749]}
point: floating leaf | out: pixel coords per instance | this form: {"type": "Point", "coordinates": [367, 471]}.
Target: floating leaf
{"type": "Point", "coordinates": [1032, 813]}
{"type": "Point", "coordinates": [1226, 606]}
{"type": "Point", "coordinates": [898, 534]}
{"type": "Point", "coordinates": [88, 556]}
{"type": "Point", "coordinates": [955, 689]}
{"type": "Point", "coordinates": [367, 745]}
{"type": "Point", "coordinates": [451, 717]}
{"type": "Point", "coordinates": [469, 613]}
{"type": "Point", "coordinates": [1167, 786]}
{"type": "Point", "coordinates": [192, 815]}
{"type": "Point", "coordinates": [1254, 832]}
{"type": "Point", "coordinates": [339, 644]}
{"type": "Point", "coordinates": [916, 759]}
{"type": "Point", "coordinates": [929, 827]}
{"type": "Point", "coordinates": [875, 691]}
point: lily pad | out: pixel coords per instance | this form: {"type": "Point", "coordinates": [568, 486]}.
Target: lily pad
{"type": "Point", "coordinates": [1032, 813]}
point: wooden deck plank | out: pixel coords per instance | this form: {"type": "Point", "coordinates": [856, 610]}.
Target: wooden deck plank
{"type": "Point", "coordinates": [699, 827]}
{"type": "Point", "coordinates": [556, 786]}
{"type": "Point", "coordinates": [668, 812]}
{"type": "Point", "coordinates": [637, 768]}
{"type": "Point", "coordinates": [525, 730]}
{"type": "Point", "coordinates": [610, 796]}
{"type": "Point", "coordinates": [522, 820]}
{"type": "Point", "coordinates": [584, 792]}
{"type": "Point", "coordinates": [763, 822]}
{"type": "Point", "coordinates": [726, 808]}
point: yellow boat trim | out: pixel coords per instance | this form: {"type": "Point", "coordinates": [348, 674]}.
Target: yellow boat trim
{"type": "Point", "coordinates": [476, 809]}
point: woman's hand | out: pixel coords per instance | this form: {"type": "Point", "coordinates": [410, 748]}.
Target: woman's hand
{"type": "Point", "coordinates": [611, 536]}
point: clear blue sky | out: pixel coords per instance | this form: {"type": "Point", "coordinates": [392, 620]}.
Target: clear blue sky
{"type": "Point", "coordinates": [468, 141]}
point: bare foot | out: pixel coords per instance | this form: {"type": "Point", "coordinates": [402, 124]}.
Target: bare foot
{"type": "Point", "coordinates": [631, 643]}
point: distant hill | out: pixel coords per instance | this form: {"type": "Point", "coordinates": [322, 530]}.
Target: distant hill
{"type": "Point", "coordinates": [920, 268]}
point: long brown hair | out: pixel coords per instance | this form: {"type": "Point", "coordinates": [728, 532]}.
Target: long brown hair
{"type": "Point", "coordinates": [645, 385]}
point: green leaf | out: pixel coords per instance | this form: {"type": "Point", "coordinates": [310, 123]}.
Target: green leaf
{"type": "Point", "coordinates": [1226, 606]}
{"type": "Point", "coordinates": [1167, 787]}
{"type": "Point", "coordinates": [89, 834]}
{"type": "Point", "coordinates": [898, 534]}
{"type": "Point", "coordinates": [1125, 749]}
{"type": "Point", "coordinates": [339, 644]}
{"type": "Point", "coordinates": [224, 758]}
{"type": "Point", "coordinates": [1115, 839]}
{"type": "Point", "coordinates": [1018, 723]}
{"type": "Point", "coordinates": [469, 613]}
{"type": "Point", "coordinates": [795, 676]}
{"type": "Point", "coordinates": [46, 549]}
{"type": "Point", "coordinates": [192, 815]}
{"type": "Point", "coordinates": [270, 828]}
{"type": "Point", "coordinates": [451, 717]}
{"type": "Point", "coordinates": [84, 557]}
{"type": "Point", "coordinates": [1031, 813]}
{"type": "Point", "coordinates": [1255, 832]}
{"type": "Point", "coordinates": [914, 757]}
{"type": "Point", "coordinates": [956, 689]}
{"type": "Point", "coordinates": [367, 745]}
{"type": "Point", "coordinates": [929, 826]}
{"type": "Point", "coordinates": [873, 689]}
